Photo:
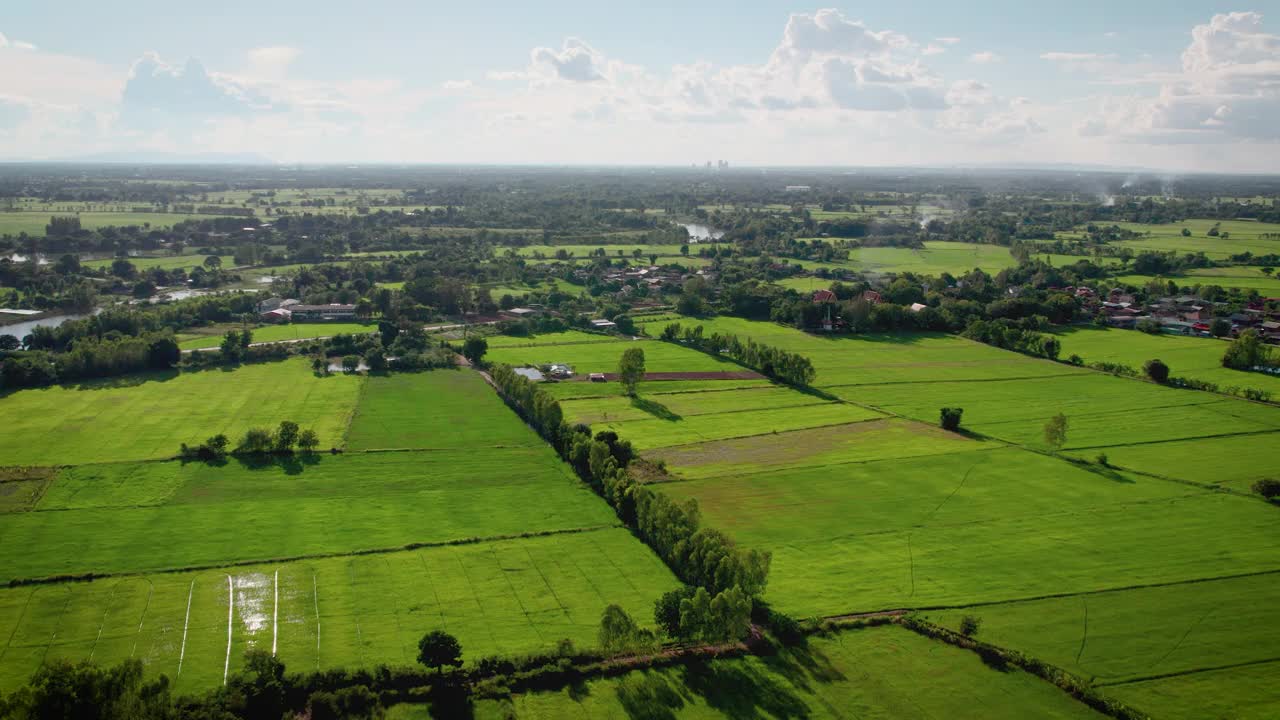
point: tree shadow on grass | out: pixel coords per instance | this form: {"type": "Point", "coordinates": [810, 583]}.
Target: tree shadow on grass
{"type": "Point", "coordinates": [802, 665]}
{"type": "Point", "coordinates": [743, 691]}
{"type": "Point", "coordinates": [648, 696]}
{"type": "Point", "coordinates": [656, 409]}
{"type": "Point", "coordinates": [292, 464]}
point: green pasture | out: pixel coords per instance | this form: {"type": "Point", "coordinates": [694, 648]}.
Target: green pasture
{"type": "Point", "coordinates": [438, 410]}
{"type": "Point", "coordinates": [881, 358]}
{"type": "Point", "coordinates": [884, 672]}
{"type": "Point", "coordinates": [1139, 633]}
{"type": "Point", "coordinates": [1234, 461]}
{"type": "Point", "coordinates": [548, 285]}
{"type": "Point", "coordinates": [1244, 236]}
{"type": "Point", "coordinates": [830, 447]}
{"type": "Point", "coordinates": [567, 337]}
{"type": "Point", "coordinates": [211, 336]}
{"type": "Point", "coordinates": [155, 516]}
{"type": "Point", "coordinates": [1198, 358]}
{"type": "Point", "coordinates": [1236, 277]}
{"type": "Point", "coordinates": [675, 406]}
{"type": "Point", "coordinates": [666, 430]}
{"type": "Point", "coordinates": [603, 357]}
{"type": "Point", "coordinates": [579, 389]}
{"type": "Point", "coordinates": [1191, 650]}
{"type": "Point", "coordinates": [168, 262]}
{"type": "Point", "coordinates": [148, 415]}
{"type": "Point", "coordinates": [1102, 410]}
{"type": "Point", "coordinates": [34, 222]}
{"type": "Point", "coordinates": [1241, 693]}
{"type": "Point", "coordinates": [1123, 534]}
{"type": "Point", "coordinates": [935, 258]}
{"type": "Point", "coordinates": [503, 597]}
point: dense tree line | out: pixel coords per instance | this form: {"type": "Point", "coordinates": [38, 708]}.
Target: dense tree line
{"type": "Point", "coordinates": [770, 361]}
{"type": "Point", "coordinates": [702, 557]}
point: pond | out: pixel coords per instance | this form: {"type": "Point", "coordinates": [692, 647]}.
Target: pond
{"type": "Point", "coordinates": [702, 233]}
{"type": "Point", "coordinates": [22, 329]}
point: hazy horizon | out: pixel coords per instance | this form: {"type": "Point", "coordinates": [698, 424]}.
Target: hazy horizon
{"type": "Point", "coordinates": [1186, 89]}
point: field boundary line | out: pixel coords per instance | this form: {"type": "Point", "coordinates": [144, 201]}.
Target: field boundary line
{"type": "Point", "coordinates": [1056, 596]}
{"type": "Point", "coordinates": [231, 608]}
{"type": "Point", "coordinates": [781, 432]}
{"type": "Point", "coordinates": [182, 653]}
{"type": "Point", "coordinates": [1193, 671]}
{"type": "Point", "coordinates": [88, 577]}
{"type": "Point", "coordinates": [151, 589]}
{"type": "Point", "coordinates": [315, 598]}
{"type": "Point", "coordinates": [105, 611]}
{"type": "Point", "coordinates": [997, 445]}
{"type": "Point", "coordinates": [955, 380]}
{"type": "Point", "coordinates": [275, 613]}
{"type": "Point", "coordinates": [1242, 433]}
{"type": "Point", "coordinates": [21, 616]}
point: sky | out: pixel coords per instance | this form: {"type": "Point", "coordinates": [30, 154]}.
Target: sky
{"type": "Point", "coordinates": [1181, 86]}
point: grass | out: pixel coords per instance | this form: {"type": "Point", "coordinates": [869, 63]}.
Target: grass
{"type": "Point", "coordinates": [1193, 357]}
{"type": "Point", "coordinates": [665, 431]}
{"type": "Point", "coordinates": [510, 597]}
{"type": "Point", "coordinates": [33, 222]}
{"type": "Point", "coordinates": [937, 257]}
{"type": "Point", "coordinates": [884, 672]}
{"type": "Point", "coordinates": [567, 337]}
{"type": "Point", "coordinates": [1244, 237]}
{"type": "Point", "coordinates": [211, 337]}
{"type": "Point", "coordinates": [1213, 642]}
{"type": "Point", "coordinates": [1101, 410]}
{"type": "Point", "coordinates": [1233, 462]}
{"type": "Point", "coordinates": [156, 516]}
{"type": "Point", "coordinates": [170, 262]}
{"type": "Point", "coordinates": [604, 356]}
{"type": "Point", "coordinates": [674, 406]}
{"type": "Point", "coordinates": [444, 409]}
{"type": "Point", "coordinates": [148, 415]}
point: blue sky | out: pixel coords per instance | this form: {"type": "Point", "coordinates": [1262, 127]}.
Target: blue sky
{"type": "Point", "coordinates": [1182, 86]}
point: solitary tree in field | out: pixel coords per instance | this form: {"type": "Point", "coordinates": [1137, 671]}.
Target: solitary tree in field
{"type": "Point", "coordinates": [438, 648]}
{"type": "Point", "coordinates": [1156, 370]}
{"type": "Point", "coordinates": [951, 418]}
{"type": "Point", "coordinates": [213, 262]}
{"type": "Point", "coordinates": [1055, 431]}
{"type": "Point", "coordinates": [474, 349]}
{"type": "Point", "coordinates": [631, 369]}
{"type": "Point", "coordinates": [1267, 488]}
{"type": "Point", "coordinates": [1268, 270]}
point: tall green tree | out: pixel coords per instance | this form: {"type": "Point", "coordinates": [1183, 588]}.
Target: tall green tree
{"type": "Point", "coordinates": [438, 648]}
{"type": "Point", "coordinates": [631, 369]}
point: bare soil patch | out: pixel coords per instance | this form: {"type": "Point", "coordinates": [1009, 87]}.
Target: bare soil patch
{"type": "Point", "coordinates": [779, 448]}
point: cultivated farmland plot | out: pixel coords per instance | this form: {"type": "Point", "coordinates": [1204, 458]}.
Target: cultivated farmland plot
{"type": "Point", "coordinates": [446, 512]}
{"type": "Point", "coordinates": [879, 673]}
{"type": "Point", "coordinates": [896, 513]}
{"type": "Point", "coordinates": [508, 597]}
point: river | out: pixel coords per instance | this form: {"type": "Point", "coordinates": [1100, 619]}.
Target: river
{"type": "Point", "coordinates": [23, 329]}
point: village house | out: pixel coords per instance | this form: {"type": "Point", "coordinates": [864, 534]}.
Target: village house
{"type": "Point", "coordinates": [824, 296]}
{"type": "Point", "coordinates": [332, 311]}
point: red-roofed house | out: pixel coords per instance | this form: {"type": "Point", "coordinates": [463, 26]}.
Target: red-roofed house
{"type": "Point", "coordinates": [824, 296]}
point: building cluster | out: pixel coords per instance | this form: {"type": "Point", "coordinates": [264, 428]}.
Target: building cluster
{"type": "Point", "coordinates": [283, 310]}
{"type": "Point", "coordinates": [1189, 315]}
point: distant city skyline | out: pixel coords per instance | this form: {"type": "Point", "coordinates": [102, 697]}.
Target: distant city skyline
{"type": "Point", "coordinates": [1185, 87]}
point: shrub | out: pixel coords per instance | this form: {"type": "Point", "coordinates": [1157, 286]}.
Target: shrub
{"type": "Point", "coordinates": [1267, 488]}
{"type": "Point", "coordinates": [1102, 459]}
{"type": "Point", "coordinates": [969, 625]}
{"type": "Point", "coordinates": [1156, 370]}
{"type": "Point", "coordinates": [951, 418]}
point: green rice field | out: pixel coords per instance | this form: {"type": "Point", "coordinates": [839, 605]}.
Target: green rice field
{"type": "Point", "coordinates": [33, 222]}
{"type": "Point", "coordinates": [445, 512]}
{"type": "Point", "coordinates": [211, 337]}
{"type": "Point", "coordinates": [147, 416]}
{"type": "Point", "coordinates": [884, 672]}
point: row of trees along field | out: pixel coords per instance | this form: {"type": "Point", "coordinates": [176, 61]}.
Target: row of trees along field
{"type": "Point", "coordinates": [702, 557]}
